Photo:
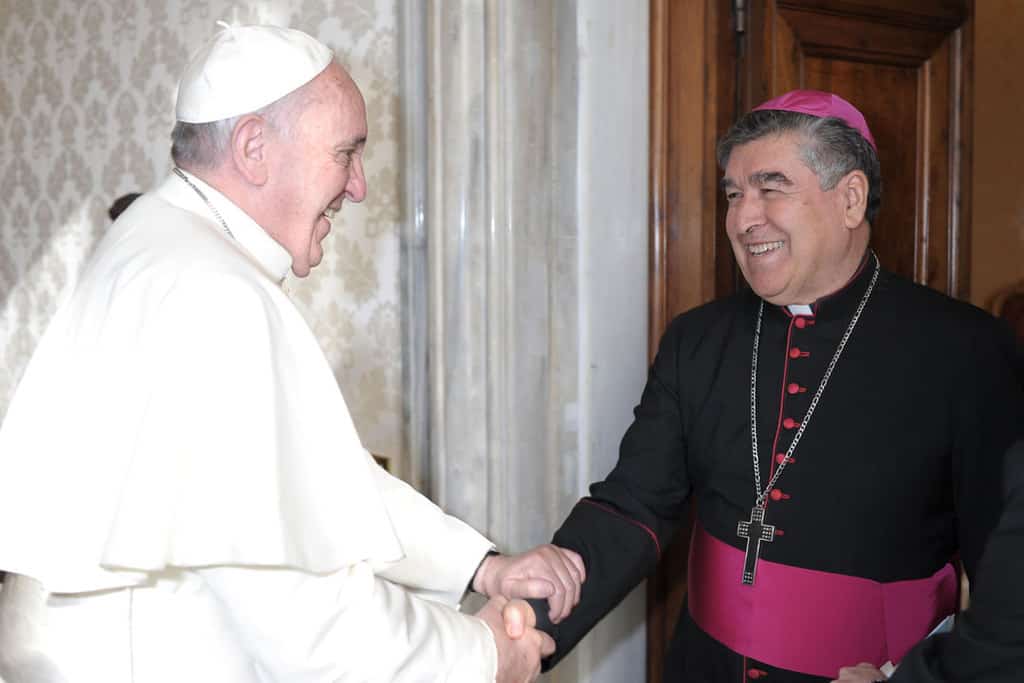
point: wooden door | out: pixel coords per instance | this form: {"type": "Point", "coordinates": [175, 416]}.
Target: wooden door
{"type": "Point", "coordinates": [906, 64]}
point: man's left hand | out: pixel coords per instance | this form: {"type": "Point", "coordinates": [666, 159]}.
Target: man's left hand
{"type": "Point", "coordinates": [862, 673]}
{"type": "Point", "coordinates": [547, 571]}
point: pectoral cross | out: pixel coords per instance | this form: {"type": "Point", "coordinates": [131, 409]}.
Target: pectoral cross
{"type": "Point", "coordinates": [754, 531]}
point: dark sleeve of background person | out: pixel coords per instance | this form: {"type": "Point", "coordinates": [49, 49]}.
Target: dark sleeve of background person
{"type": "Point", "coordinates": [987, 645]}
{"type": "Point", "coordinates": [121, 203]}
{"type": "Point", "coordinates": [1012, 311]}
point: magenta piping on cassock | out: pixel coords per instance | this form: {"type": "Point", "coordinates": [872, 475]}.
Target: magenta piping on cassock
{"type": "Point", "coordinates": [810, 621]}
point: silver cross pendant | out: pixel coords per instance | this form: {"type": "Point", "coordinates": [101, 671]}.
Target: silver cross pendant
{"type": "Point", "coordinates": [755, 531]}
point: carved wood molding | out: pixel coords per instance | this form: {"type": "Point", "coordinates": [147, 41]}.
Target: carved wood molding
{"type": "Point", "coordinates": [658, 172]}
{"type": "Point", "coordinates": [859, 37]}
{"type": "Point", "coordinates": [928, 15]}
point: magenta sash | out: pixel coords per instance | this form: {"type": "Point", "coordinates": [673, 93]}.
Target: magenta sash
{"type": "Point", "coordinates": [810, 621]}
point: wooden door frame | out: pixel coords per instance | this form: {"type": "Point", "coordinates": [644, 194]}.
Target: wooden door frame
{"type": "Point", "coordinates": [690, 261]}
{"type": "Point", "coordinates": [685, 245]}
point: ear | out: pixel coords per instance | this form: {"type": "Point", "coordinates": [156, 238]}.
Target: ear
{"type": "Point", "coordinates": [854, 196]}
{"type": "Point", "coordinates": [249, 148]}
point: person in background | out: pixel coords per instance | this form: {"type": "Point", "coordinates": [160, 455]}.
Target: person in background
{"type": "Point", "coordinates": [987, 643]}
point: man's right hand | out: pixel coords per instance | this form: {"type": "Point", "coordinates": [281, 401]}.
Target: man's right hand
{"type": "Point", "coordinates": [518, 655]}
{"type": "Point", "coordinates": [546, 571]}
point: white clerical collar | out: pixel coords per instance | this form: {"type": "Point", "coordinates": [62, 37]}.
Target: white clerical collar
{"type": "Point", "coordinates": [801, 309]}
{"type": "Point", "coordinates": [254, 240]}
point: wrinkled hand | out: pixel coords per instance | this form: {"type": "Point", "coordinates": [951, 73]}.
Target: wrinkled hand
{"type": "Point", "coordinates": [862, 673]}
{"type": "Point", "coordinates": [518, 657]}
{"type": "Point", "coordinates": [547, 571]}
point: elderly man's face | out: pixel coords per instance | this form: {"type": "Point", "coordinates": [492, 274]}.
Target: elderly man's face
{"type": "Point", "coordinates": [318, 165]}
{"type": "Point", "coordinates": [788, 235]}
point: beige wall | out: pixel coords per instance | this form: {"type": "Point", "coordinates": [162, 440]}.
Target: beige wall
{"type": "Point", "coordinates": [997, 243]}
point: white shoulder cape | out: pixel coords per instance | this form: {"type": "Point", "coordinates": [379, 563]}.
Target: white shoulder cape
{"type": "Point", "coordinates": [178, 412]}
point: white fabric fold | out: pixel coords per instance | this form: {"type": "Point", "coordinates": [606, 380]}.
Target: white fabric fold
{"type": "Point", "coordinates": [151, 429]}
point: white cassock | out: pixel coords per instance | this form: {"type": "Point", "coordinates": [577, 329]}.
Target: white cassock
{"type": "Point", "coordinates": [181, 476]}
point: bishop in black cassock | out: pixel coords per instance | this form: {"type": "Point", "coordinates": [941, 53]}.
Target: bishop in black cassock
{"type": "Point", "coordinates": [849, 554]}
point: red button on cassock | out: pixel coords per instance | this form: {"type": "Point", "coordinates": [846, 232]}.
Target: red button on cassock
{"type": "Point", "coordinates": [793, 388]}
{"type": "Point", "coordinates": [789, 423]}
{"type": "Point", "coordinates": [800, 322]}
{"type": "Point", "coordinates": [777, 495]}
{"type": "Point", "coordinates": [794, 352]}
{"type": "Point", "coordinates": [779, 457]}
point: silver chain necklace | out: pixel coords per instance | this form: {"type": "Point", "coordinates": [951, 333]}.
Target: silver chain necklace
{"type": "Point", "coordinates": [755, 530]}
{"type": "Point", "coordinates": [178, 172]}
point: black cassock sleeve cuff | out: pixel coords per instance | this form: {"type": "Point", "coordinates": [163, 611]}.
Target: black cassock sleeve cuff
{"type": "Point", "coordinates": [618, 553]}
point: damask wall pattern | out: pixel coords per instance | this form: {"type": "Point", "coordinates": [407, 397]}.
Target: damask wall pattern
{"type": "Point", "coordinates": [86, 109]}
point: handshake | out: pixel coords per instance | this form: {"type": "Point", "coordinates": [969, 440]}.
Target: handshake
{"type": "Point", "coordinates": [544, 572]}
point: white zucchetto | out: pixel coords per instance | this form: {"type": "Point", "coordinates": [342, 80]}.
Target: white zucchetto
{"type": "Point", "coordinates": [245, 68]}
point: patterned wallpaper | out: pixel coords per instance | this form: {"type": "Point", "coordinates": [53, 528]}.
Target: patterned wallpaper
{"type": "Point", "coordinates": [86, 109]}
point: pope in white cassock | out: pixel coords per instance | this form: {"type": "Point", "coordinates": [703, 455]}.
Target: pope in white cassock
{"type": "Point", "coordinates": [183, 494]}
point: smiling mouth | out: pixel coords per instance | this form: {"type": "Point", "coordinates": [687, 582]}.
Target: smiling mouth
{"type": "Point", "coordinates": [764, 247]}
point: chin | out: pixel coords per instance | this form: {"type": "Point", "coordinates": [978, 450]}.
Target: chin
{"type": "Point", "coordinates": [768, 280]}
{"type": "Point", "coordinates": [770, 291]}
{"type": "Point", "coordinates": [778, 299]}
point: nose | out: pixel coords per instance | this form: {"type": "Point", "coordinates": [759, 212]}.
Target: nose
{"type": "Point", "coordinates": [746, 213]}
{"type": "Point", "coordinates": [355, 190]}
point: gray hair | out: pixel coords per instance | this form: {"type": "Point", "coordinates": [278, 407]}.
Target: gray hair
{"type": "Point", "coordinates": [831, 148]}
{"type": "Point", "coordinates": [204, 145]}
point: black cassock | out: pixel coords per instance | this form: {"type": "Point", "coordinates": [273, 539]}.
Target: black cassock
{"type": "Point", "coordinates": [897, 472]}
